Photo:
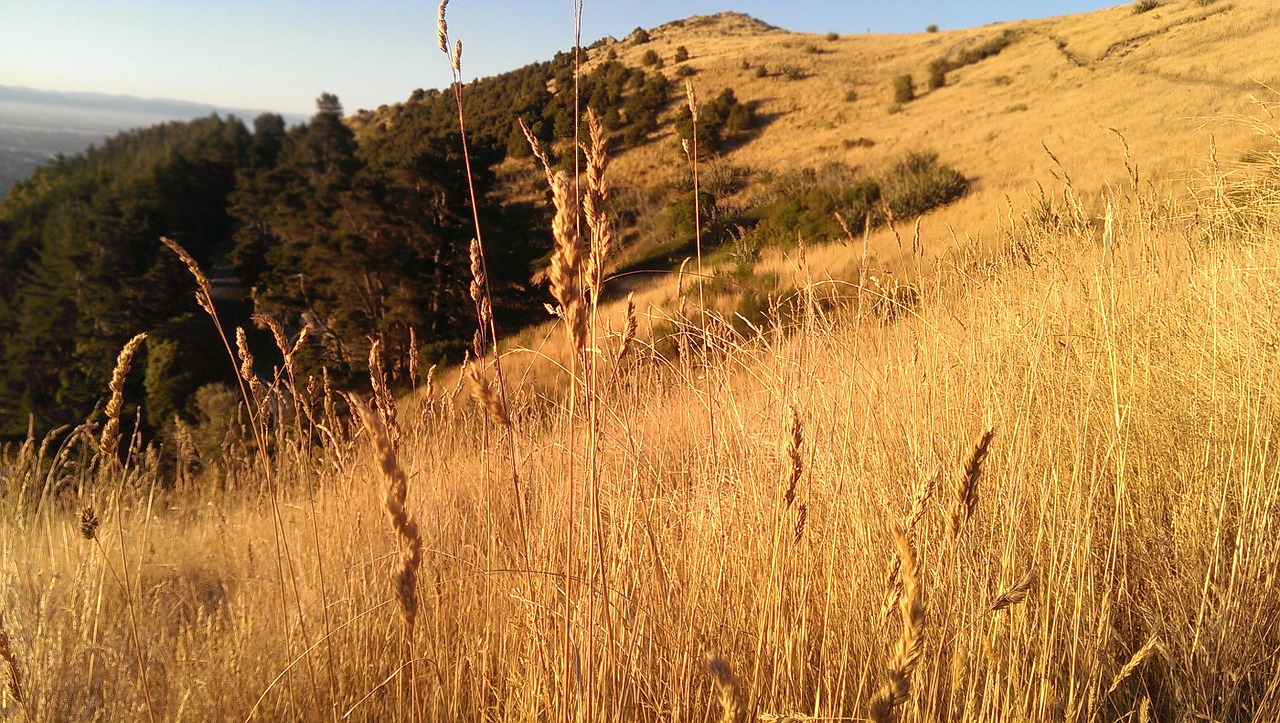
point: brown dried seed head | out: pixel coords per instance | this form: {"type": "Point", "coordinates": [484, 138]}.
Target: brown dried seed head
{"type": "Point", "coordinates": [906, 655]}
{"type": "Point", "coordinates": [482, 392]}
{"type": "Point", "coordinates": [802, 517]}
{"type": "Point", "coordinates": [110, 438]}
{"type": "Point", "coordinates": [536, 148]}
{"type": "Point", "coordinates": [964, 501]}
{"type": "Point", "coordinates": [404, 581]}
{"type": "Point", "coordinates": [629, 327]}
{"type": "Point", "coordinates": [732, 700]}
{"type": "Point", "coordinates": [204, 292]}
{"type": "Point", "coordinates": [89, 523]}
{"type": "Point", "coordinates": [456, 60]}
{"type": "Point", "coordinates": [1016, 594]}
{"type": "Point", "coordinates": [796, 468]}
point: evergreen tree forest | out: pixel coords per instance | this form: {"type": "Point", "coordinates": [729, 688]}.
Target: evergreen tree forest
{"type": "Point", "coordinates": [356, 236]}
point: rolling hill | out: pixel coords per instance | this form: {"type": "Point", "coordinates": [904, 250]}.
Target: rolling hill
{"type": "Point", "coordinates": [1038, 482]}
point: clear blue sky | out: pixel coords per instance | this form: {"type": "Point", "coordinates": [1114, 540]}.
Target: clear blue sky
{"type": "Point", "coordinates": [281, 54]}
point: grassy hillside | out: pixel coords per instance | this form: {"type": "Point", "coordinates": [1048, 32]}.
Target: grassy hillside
{"type": "Point", "coordinates": [1027, 475]}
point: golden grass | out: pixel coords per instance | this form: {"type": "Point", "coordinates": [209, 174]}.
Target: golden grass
{"type": "Point", "coordinates": [1132, 386]}
{"type": "Point", "coordinates": [1118, 563]}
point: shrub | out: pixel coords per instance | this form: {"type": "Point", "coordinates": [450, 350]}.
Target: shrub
{"type": "Point", "coordinates": [682, 54]}
{"type": "Point", "coordinates": [806, 202]}
{"type": "Point", "coordinates": [918, 183]}
{"type": "Point", "coordinates": [904, 89]}
{"type": "Point", "coordinates": [833, 35]}
{"type": "Point", "coordinates": [931, 29]}
{"type": "Point", "coordinates": [850, 95]}
{"type": "Point", "coordinates": [718, 119]}
{"type": "Point", "coordinates": [938, 73]}
{"type": "Point", "coordinates": [685, 71]}
{"type": "Point", "coordinates": [639, 36]}
{"type": "Point", "coordinates": [651, 58]}
{"type": "Point", "coordinates": [792, 72]}
{"type": "Point", "coordinates": [762, 72]}
{"type": "Point", "coordinates": [1143, 6]}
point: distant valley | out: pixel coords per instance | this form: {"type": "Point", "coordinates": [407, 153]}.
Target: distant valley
{"type": "Point", "coordinates": [36, 125]}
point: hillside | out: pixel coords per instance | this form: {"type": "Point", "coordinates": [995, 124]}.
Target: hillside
{"type": "Point", "coordinates": [1081, 87]}
{"type": "Point", "coordinates": [1064, 82]}
{"type": "Point", "coordinates": [1034, 481]}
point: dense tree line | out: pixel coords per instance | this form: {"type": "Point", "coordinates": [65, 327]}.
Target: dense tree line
{"type": "Point", "coordinates": [359, 238]}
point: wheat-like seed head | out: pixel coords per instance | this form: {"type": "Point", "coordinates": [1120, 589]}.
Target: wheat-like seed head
{"type": "Point", "coordinates": [204, 291]}
{"type": "Point", "coordinates": [536, 148]}
{"type": "Point", "coordinates": [111, 431]}
{"type": "Point", "coordinates": [595, 204]}
{"type": "Point", "coordinates": [485, 396]}
{"type": "Point", "coordinates": [796, 467]}
{"type": "Point", "coordinates": [964, 501]}
{"type": "Point", "coordinates": [1143, 653]}
{"type": "Point", "coordinates": [566, 262]}
{"type": "Point", "coordinates": [409, 539]}
{"type": "Point", "coordinates": [802, 517]}
{"type": "Point", "coordinates": [733, 702]}
{"type": "Point", "coordinates": [89, 523]}
{"type": "Point", "coordinates": [442, 28]}
{"type": "Point", "coordinates": [906, 656]}
{"type": "Point", "coordinates": [382, 396]}
{"type": "Point", "coordinates": [456, 59]}
{"type": "Point", "coordinates": [479, 283]}
{"type": "Point", "coordinates": [1016, 594]}
{"type": "Point", "coordinates": [692, 97]}
{"type": "Point", "coordinates": [918, 507]}
{"type": "Point", "coordinates": [246, 367]}
{"type": "Point", "coordinates": [629, 328]}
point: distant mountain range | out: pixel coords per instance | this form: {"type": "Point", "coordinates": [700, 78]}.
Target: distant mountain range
{"type": "Point", "coordinates": [36, 125]}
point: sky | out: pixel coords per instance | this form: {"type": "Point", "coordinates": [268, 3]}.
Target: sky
{"type": "Point", "coordinates": [280, 55]}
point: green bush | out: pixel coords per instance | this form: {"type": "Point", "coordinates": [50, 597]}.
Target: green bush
{"type": "Point", "coordinates": [918, 183]}
{"type": "Point", "coordinates": [682, 54]}
{"type": "Point", "coordinates": [1143, 6]}
{"type": "Point", "coordinates": [806, 202]}
{"type": "Point", "coordinates": [639, 36]}
{"type": "Point", "coordinates": [762, 72]}
{"type": "Point", "coordinates": [931, 29]}
{"type": "Point", "coordinates": [685, 71]}
{"type": "Point", "coordinates": [651, 58]}
{"type": "Point", "coordinates": [904, 89]}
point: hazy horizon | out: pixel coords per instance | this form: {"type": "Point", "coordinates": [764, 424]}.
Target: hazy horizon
{"type": "Point", "coordinates": [282, 55]}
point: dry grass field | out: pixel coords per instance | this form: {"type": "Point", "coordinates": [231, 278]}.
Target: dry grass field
{"type": "Point", "coordinates": [1038, 483]}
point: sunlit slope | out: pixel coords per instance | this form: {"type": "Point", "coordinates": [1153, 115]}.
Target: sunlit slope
{"type": "Point", "coordinates": [1156, 77]}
